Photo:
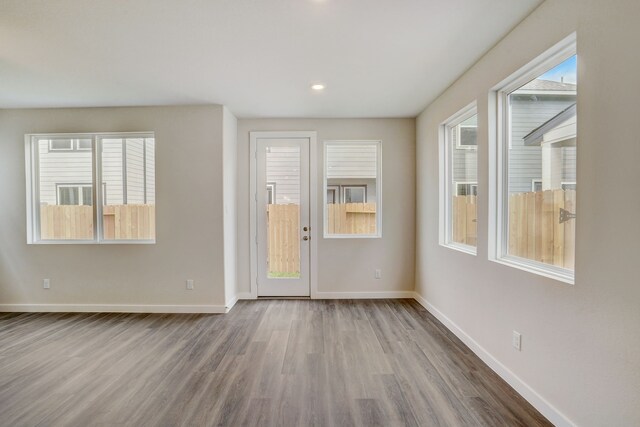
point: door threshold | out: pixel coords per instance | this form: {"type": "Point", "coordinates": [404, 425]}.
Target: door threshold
{"type": "Point", "coordinates": [284, 297]}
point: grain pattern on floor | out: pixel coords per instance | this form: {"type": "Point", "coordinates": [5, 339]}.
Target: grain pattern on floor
{"type": "Point", "coordinates": [267, 363]}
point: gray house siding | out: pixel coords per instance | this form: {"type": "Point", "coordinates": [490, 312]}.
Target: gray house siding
{"type": "Point", "coordinates": [525, 163]}
{"type": "Point", "coordinates": [62, 168]}
{"type": "Point", "coordinates": [75, 167]}
{"type": "Point", "coordinates": [352, 165]}
{"type": "Point", "coordinates": [283, 171]}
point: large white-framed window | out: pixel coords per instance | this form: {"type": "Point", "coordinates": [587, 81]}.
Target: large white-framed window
{"type": "Point", "coordinates": [459, 180]}
{"type": "Point", "coordinates": [69, 177]}
{"type": "Point", "coordinates": [536, 147]}
{"type": "Point", "coordinates": [352, 189]}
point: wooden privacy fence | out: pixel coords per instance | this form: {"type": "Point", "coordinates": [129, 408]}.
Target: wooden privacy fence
{"type": "Point", "coordinates": [464, 227]}
{"type": "Point", "coordinates": [351, 218]}
{"type": "Point", "coordinates": [66, 222]}
{"type": "Point", "coordinates": [283, 242]}
{"type": "Point", "coordinates": [535, 230]}
{"type": "Point", "coordinates": [283, 228]}
{"type": "Point", "coordinates": [125, 222]}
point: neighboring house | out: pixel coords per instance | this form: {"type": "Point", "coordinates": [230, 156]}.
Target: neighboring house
{"type": "Point", "coordinates": [351, 174]}
{"type": "Point", "coordinates": [533, 105]}
{"type": "Point", "coordinates": [66, 169]}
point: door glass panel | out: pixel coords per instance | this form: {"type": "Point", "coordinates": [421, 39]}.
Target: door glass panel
{"type": "Point", "coordinates": [283, 211]}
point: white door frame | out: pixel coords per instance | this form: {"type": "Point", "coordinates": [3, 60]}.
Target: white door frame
{"type": "Point", "coordinates": [315, 232]}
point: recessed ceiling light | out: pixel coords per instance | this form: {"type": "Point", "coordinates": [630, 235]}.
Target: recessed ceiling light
{"type": "Point", "coordinates": [317, 86]}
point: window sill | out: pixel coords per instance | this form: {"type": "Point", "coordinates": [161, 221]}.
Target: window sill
{"type": "Point", "coordinates": [93, 242]}
{"type": "Point", "coordinates": [540, 269]}
{"type": "Point", "coordinates": [467, 249]}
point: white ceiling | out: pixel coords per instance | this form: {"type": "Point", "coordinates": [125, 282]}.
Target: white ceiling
{"type": "Point", "coordinates": [378, 58]}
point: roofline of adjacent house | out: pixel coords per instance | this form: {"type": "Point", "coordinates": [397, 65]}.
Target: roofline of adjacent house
{"type": "Point", "coordinates": [535, 136]}
{"type": "Point", "coordinates": [544, 92]}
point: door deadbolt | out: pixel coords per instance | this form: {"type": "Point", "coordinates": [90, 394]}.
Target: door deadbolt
{"type": "Point", "coordinates": [305, 228]}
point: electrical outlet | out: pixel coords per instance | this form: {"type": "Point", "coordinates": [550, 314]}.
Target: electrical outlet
{"type": "Point", "coordinates": [516, 340]}
{"type": "Point", "coordinates": [190, 285]}
{"type": "Point", "coordinates": [378, 274]}
{"type": "Point", "coordinates": [46, 284]}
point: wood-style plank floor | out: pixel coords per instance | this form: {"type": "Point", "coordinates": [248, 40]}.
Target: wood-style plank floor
{"type": "Point", "coordinates": [268, 362]}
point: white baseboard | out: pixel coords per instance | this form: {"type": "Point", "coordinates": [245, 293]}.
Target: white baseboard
{"type": "Point", "coordinates": [363, 295]}
{"type": "Point", "coordinates": [229, 305]}
{"type": "Point", "coordinates": [109, 308]}
{"type": "Point", "coordinates": [528, 393]}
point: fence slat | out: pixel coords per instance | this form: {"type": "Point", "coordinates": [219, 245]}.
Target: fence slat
{"type": "Point", "coordinates": [569, 230]}
{"type": "Point", "coordinates": [558, 229]}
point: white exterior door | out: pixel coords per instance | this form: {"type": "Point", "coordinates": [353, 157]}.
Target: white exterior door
{"type": "Point", "coordinates": [282, 215]}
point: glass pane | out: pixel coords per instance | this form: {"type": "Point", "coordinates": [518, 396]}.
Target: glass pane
{"type": "Point", "coordinates": [128, 185]}
{"type": "Point", "coordinates": [61, 144]}
{"type": "Point", "coordinates": [87, 196]}
{"type": "Point", "coordinates": [68, 196]}
{"type": "Point", "coordinates": [84, 144]}
{"type": "Point", "coordinates": [283, 212]}
{"type": "Point", "coordinates": [351, 183]}
{"type": "Point", "coordinates": [463, 181]}
{"type": "Point", "coordinates": [61, 175]}
{"type": "Point", "coordinates": [542, 151]}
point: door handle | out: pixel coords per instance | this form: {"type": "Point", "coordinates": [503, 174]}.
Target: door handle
{"type": "Point", "coordinates": [305, 238]}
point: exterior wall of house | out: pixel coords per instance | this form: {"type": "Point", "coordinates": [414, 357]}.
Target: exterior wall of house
{"type": "Point", "coordinates": [75, 167]}
{"type": "Point", "coordinates": [62, 167]}
{"type": "Point", "coordinates": [370, 184]}
{"type": "Point", "coordinates": [283, 170]}
{"type": "Point", "coordinates": [525, 162]}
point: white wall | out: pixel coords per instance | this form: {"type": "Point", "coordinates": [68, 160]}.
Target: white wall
{"type": "Point", "coordinates": [348, 265]}
{"type": "Point", "coordinates": [230, 204]}
{"type": "Point", "coordinates": [189, 216]}
{"type": "Point", "coordinates": [581, 343]}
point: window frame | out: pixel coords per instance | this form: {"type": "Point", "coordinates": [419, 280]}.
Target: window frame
{"type": "Point", "coordinates": [336, 193]}
{"type": "Point", "coordinates": [459, 145]}
{"type": "Point", "coordinates": [325, 186]}
{"type": "Point", "coordinates": [350, 187]}
{"type": "Point", "coordinates": [499, 169]}
{"type": "Point", "coordinates": [471, 183]}
{"type": "Point", "coordinates": [61, 185]}
{"type": "Point", "coordinates": [271, 192]}
{"type": "Point", "coordinates": [449, 187]}
{"type": "Point", "coordinates": [32, 164]}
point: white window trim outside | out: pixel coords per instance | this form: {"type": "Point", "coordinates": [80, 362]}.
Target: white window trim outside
{"type": "Point", "coordinates": [446, 179]}
{"type": "Point", "coordinates": [498, 193]}
{"type": "Point", "coordinates": [71, 147]}
{"type": "Point", "coordinates": [271, 186]}
{"type": "Point", "coordinates": [344, 191]}
{"type": "Point", "coordinates": [378, 200]}
{"type": "Point", "coordinates": [80, 192]}
{"type": "Point", "coordinates": [459, 183]}
{"type": "Point", "coordinates": [459, 145]}
{"type": "Point", "coordinates": [32, 165]}
{"type": "Point", "coordinates": [336, 192]}
{"type": "Point", "coordinates": [74, 145]}
{"type": "Point", "coordinates": [534, 182]}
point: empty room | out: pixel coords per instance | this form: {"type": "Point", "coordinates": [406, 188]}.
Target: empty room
{"type": "Point", "coordinates": [319, 213]}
